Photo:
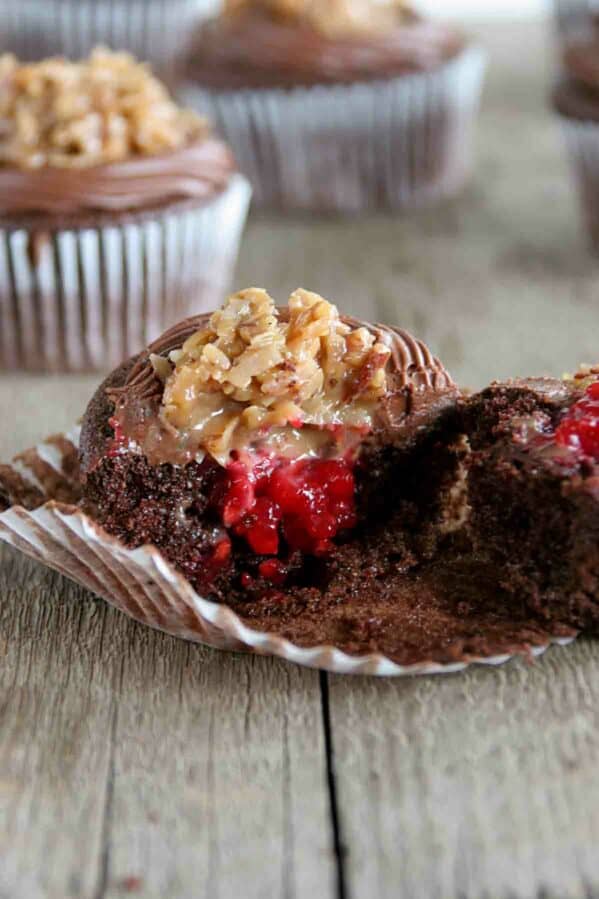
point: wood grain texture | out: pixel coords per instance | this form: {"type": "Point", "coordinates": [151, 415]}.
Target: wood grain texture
{"type": "Point", "coordinates": [131, 763]}
{"type": "Point", "coordinates": [132, 760]}
{"type": "Point", "coordinates": [477, 785]}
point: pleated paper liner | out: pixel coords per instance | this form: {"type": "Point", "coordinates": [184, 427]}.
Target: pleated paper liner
{"type": "Point", "coordinates": [156, 31]}
{"type": "Point", "coordinates": [39, 491]}
{"type": "Point", "coordinates": [79, 299]}
{"type": "Point", "coordinates": [582, 142]}
{"type": "Point", "coordinates": [391, 144]}
{"type": "Point", "coordinates": [574, 18]}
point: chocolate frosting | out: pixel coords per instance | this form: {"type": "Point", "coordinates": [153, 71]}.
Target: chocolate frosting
{"type": "Point", "coordinates": [254, 51]}
{"type": "Point", "coordinates": [419, 385]}
{"type": "Point", "coordinates": [196, 172]}
{"type": "Point", "coordinates": [411, 364]}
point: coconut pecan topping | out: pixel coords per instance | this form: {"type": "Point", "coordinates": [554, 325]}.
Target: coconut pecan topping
{"type": "Point", "coordinates": [255, 369]}
{"type": "Point", "coordinates": [103, 109]}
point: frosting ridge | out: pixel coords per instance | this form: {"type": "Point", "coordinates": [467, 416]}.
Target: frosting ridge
{"type": "Point", "coordinates": [194, 172]}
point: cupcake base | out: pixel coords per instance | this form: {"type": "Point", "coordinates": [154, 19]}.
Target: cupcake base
{"type": "Point", "coordinates": [85, 298]}
{"type": "Point", "coordinates": [384, 145]}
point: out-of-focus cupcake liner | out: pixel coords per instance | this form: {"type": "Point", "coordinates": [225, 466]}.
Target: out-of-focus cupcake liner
{"type": "Point", "coordinates": [392, 144]}
{"type": "Point", "coordinates": [582, 140]}
{"type": "Point", "coordinates": [140, 582]}
{"type": "Point", "coordinates": [87, 298]}
{"type": "Point", "coordinates": [153, 30]}
{"type": "Point", "coordinates": [574, 18]}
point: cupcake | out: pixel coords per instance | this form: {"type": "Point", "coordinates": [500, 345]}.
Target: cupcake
{"type": "Point", "coordinates": [270, 450]}
{"type": "Point", "coordinates": [325, 478]}
{"type": "Point", "coordinates": [155, 31]}
{"type": "Point", "coordinates": [292, 480]}
{"type": "Point", "coordinates": [338, 106]}
{"type": "Point", "coordinates": [119, 212]}
{"type": "Point", "coordinates": [576, 100]}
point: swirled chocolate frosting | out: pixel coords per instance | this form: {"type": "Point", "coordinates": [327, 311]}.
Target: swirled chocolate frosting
{"type": "Point", "coordinates": [195, 172]}
{"type": "Point", "coordinates": [254, 51]}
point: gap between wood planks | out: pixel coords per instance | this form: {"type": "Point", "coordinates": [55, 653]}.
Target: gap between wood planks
{"type": "Point", "coordinates": [339, 846]}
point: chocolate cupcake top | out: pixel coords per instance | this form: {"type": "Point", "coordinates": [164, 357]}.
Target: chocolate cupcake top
{"type": "Point", "coordinates": [297, 381]}
{"type": "Point", "coordinates": [101, 134]}
{"type": "Point", "coordinates": [266, 43]}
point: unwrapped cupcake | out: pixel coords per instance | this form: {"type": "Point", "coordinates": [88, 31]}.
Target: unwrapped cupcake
{"type": "Point", "coordinates": [118, 212]}
{"type": "Point", "coordinates": [338, 105]}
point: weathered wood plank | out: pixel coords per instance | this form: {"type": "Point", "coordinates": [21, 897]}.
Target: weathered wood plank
{"type": "Point", "coordinates": [477, 785]}
{"type": "Point", "coordinates": [130, 760]}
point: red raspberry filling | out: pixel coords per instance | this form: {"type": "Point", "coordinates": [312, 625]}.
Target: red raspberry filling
{"type": "Point", "coordinates": [579, 429]}
{"type": "Point", "coordinates": [304, 504]}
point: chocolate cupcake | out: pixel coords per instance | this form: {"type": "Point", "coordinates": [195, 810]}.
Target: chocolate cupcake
{"type": "Point", "coordinates": [337, 106]}
{"type": "Point", "coordinates": [119, 212]}
{"type": "Point", "coordinates": [576, 100]}
{"type": "Point", "coordinates": [156, 31]}
{"type": "Point", "coordinates": [299, 482]}
{"type": "Point", "coordinates": [263, 449]}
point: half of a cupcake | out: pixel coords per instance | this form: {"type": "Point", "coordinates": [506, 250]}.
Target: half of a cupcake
{"type": "Point", "coordinates": [277, 452]}
{"type": "Point", "coordinates": [533, 492]}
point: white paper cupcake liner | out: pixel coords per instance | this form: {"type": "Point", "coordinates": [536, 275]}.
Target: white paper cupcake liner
{"type": "Point", "coordinates": [582, 141]}
{"type": "Point", "coordinates": [87, 298]}
{"type": "Point", "coordinates": [141, 583]}
{"type": "Point", "coordinates": [574, 17]}
{"type": "Point", "coordinates": [390, 144]}
{"type": "Point", "coordinates": [153, 30]}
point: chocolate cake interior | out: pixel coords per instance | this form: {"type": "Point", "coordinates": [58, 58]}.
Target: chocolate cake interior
{"type": "Point", "coordinates": [533, 499]}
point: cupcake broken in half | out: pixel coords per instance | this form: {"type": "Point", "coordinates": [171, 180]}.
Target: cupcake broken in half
{"type": "Point", "coordinates": [268, 450]}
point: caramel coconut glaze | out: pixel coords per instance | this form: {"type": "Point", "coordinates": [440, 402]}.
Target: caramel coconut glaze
{"type": "Point", "coordinates": [419, 389]}
{"type": "Point", "coordinates": [254, 51]}
{"type": "Point", "coordinates": [193, 173]}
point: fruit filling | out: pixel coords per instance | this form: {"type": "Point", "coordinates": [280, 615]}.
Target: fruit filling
{"type": "Point", "coordinates": [579, 429]}
{"type": "Point", "coordinates": [278, 504]}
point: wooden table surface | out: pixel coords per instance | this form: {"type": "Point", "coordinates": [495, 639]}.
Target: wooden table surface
{"type": "Point", "coordinates": [133, 763]}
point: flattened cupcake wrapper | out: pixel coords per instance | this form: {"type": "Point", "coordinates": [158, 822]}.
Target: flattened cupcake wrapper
{"type": "Point", "coordinates": [390, 144]}
{"type": "Point", "coordinates": [140, 582]}
{"type": "Point", "coordinates": [153, 30]}
{"type": "Point", "coordinates": [582, 141]}
{"type": "Point", "coordinates": [87, 298]}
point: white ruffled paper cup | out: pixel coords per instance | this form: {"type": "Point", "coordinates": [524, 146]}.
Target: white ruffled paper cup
{"type": "Point", "coordinates": [38, 493]}
{"type": "Point", "coordinates": [347, 148]}
{"type": "Point", "coordinates": [85, 298]}
{"type": "Point", "coordinates": [156, 31]}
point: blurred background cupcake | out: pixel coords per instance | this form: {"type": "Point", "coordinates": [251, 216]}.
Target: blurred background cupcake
{"type": "Point", "coordinates": [155, 31]}
{"type": "Point", "coordinates": [339, 105]}
{"type": "Point", "coordinates": [576, 100]}
{"type": "Point", "coordinates": [119, 212]}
